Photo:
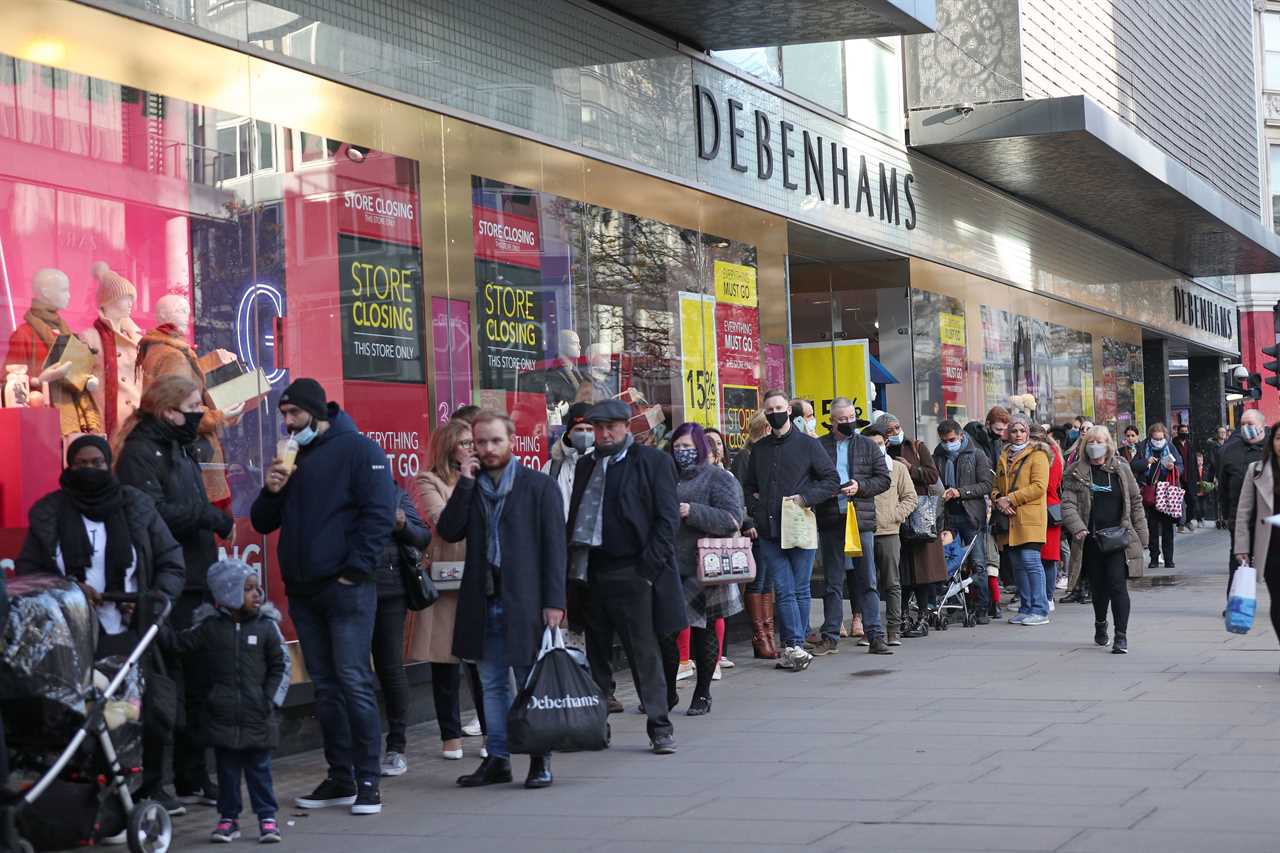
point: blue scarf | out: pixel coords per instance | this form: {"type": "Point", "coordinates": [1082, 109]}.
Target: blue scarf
{"type": "Point", "coordinates": [949, 470]}
{"type": "Point", "coordinates": [494, 499]}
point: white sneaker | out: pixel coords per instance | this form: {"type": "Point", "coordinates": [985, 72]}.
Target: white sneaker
{"type": "Point", "coordinates": [784, 660]}
{"type": "Point", "coordinates": [1051, 608]}
{"type": "Point", "coordinates": [1017, 619]}
{"type": "Point", "coordinates": [472, 729]}
{"type": "Point", "coordinates": [484, 752]}
{"type": "Point", "coordinates": [394, 763]}
{"type": "Point", "coordinates": [1061, 583]}
{"type": "Point", "coordinates": [685, 671]}
{"type": "Point", "coordinates": [1036, 620]}
{"type": "Point", "coordinates": [448, 755]}
{"type": "Point", "coordinates": [727, 664]}
{"type": "Point", "coordinates": [800, 659]}
{"type": "Point", "coordinates": [715, 676]}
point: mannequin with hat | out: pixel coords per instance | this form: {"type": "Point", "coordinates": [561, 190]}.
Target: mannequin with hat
{"type": "Point", "coordinates": [114, 339]}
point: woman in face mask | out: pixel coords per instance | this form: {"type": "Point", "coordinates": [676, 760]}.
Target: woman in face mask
{"type": "Point", "coordinates": [1154, 461]}
{"type": "Point", "coordinates": [710, 506]}
{"type": "Point", "coordinates": [1102, 511]}
{"type": "Point", "coordinates": [1020, 516]}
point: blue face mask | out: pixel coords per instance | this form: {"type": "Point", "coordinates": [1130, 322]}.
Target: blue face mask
{"type": "Point", "coordinates": [1018, 448]}
{"type": "Point", "coordinates": [895, 440]}
{"type": "Point", "coordinates": [306, 435]}
{"type": "Point", "coordinates": [951, 446]}
{"type": "Point", "coordinates": [1073, 434]}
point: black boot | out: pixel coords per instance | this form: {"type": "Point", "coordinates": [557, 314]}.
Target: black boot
{"type": "Point", "coordinates": [1100, 632]}
{"type": "Point", "coordinates": [492, 771]}
{"type": "Point", "coordinates": [539, 772]}
{"type": "Point", "coordinates": [699, 706]}
{"type": "Point", "coordinates": [1121, 645]}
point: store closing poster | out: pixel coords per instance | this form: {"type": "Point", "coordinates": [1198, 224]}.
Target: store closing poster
{"type": "Point", "coordinates": [738, 349]}
{"type": "Point", "coordinates": [951, 336]}
{"type": "Point", "coordinates": [825, 371]}
{"type": "Point", "coordinates": [699, 367]}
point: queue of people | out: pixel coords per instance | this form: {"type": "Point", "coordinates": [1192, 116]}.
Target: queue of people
{"type": "Point", "coordinates": [606, 539]}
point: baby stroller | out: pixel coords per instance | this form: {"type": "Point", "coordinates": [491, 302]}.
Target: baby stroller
{"type": "Point", "coordinates": [955, 598]}
{"type": "Point", "coordinates": [73, 726]}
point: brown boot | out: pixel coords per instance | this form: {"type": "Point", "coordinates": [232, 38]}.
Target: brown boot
{"type": "Point", "coordinates": [771, 647]}
{"type": "Point", "coordinates": [755, 610]}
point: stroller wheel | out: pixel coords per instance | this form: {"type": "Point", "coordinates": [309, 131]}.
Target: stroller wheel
{"type": "Point", "coordinates": [150, 828]}
{"type": "Point", "coordinates": [943, 622]}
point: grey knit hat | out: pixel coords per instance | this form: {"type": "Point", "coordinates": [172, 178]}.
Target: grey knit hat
{"type": "Point", "coordinates": [226, 582]}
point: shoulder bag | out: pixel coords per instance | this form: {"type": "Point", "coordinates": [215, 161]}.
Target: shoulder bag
{"type": "Point", "coordinates": [419, 592]}
{"type": "Point", "coordinates": [725, 560]}
{"type": "Point", "coordinates": [1000, 521]}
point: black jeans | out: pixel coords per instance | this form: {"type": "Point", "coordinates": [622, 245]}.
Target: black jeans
{"type": "Point", "coordinates": [704, 648]}
{"type": "Point", "coordinates": [446, 687]}
{"type": "Point", "coordinates": [255, 766]}
{"type": "Point", "coordinates": [622, 604]}
{"type": "Point", "coordinates": [1109, 584]}
{"type": "Point", "coordinates": [388, 664]}
{"type": "Point", "coordinates": [1160, 528]}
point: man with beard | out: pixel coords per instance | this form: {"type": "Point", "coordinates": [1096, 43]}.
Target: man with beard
{"type": "Point", "coordinates": [512, 518]}
{"type": "Point", "coordinates": [1245, 446]}
{"type": "Point", "coordinates": [335, 508]}
{"type": "Point", "coordinates": [623, 517]}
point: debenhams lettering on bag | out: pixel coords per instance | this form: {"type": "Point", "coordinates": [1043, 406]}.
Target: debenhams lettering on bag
{"type": "Point", "coordinates": [546, 703]}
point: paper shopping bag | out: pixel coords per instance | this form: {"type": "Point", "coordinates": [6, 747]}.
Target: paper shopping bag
{"type": "Point", "coordinates": [852, 539]}
{"type": "Point", "coordinates": [799, 526]}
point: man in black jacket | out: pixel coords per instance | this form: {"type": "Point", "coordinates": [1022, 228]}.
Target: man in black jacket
{"type": "Point", "coordinates": [513, 520]}
{"type": "Point", "coordinates": [966, 481]}
{"type": "Point", "coordinates": [863, 473]}
{"type": "Point", "coordinates": [335, 509]}
{"type": "Point", "coordinates": [623, 517]}
{"type": "Point", "coordinates": [1245, 446]}
{"type": "Point", "coordinates": [787, 465]}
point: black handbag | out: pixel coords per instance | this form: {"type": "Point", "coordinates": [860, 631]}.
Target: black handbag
{"type": "Point", "coordinates": [1111, 539]}
{"type": "Point", "coordinates": [419, 591]}
{"type": "Point", "coordinates": [1055, 515]}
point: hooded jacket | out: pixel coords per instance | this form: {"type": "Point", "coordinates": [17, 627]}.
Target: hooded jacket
{"type": "Point", "coordinates": [973, 478]}
{"type": "Point", "coordinates": [153, 461]}
{"type": "Point", "coordinates": [985, 441]}
{"type": "Point", "coordinates": [869, 467]}
{"type": "Point", "coordinates": [793, 464]}
{"type": "Point", "coordinates": [335, 513]}
{"type": "Point", "coordinates": [561, 467]}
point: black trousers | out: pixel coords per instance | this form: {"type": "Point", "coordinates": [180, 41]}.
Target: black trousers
{"type": "Point", "coordinates": [1109, 584]}
{"type": "Point", "coordinates": [1273, 589]}
{"type": "Point", "coordinates": [388, 664]}
{"type": "Point", "coordinates": [622, 604]}
{"type": "Point", "coordinates": [446, 690]}
{"type": "Point", "coordinates": [1160, 528]}
{"type": "Point", "coordinates": [704, 648]}
{"type": "Point", "coordinates": [190, 743]}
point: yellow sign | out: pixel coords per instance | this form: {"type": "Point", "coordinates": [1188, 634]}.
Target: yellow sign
{"type": "Point", "coordinates": [1140, 406]}
{"type": "Point", "coordinates": [699, 366]}
{"type": "Point", "coordinates": [826, 371]}
{"type": "Point", "coordinates": [951, 328]}
{"type": "Point", "coordinates": [1086, 391]}
{"type": "Point", "coordinates": [736, 284]}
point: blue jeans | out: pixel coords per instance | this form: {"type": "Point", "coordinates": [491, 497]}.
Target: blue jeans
{"type": "Point", "coordinates": [495, 680]}
{"type": "Point", "coordinates": [255, 766]}
{"type": "Point", "coordinates": [335, 630]}
{"type": "Point", "coordinates": [761, 584]}
{"type": "Point", "coordinates": [861, 572]}
{"type": "Point", "coordinates": [965, 532]}
{"type": "Point", "coordinates": [791, 572]}
{"type": "Point", "coordinates": [1028, 573]}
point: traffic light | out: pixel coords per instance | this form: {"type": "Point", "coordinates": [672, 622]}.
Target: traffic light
{"type": "Point", "coordinates": [1273, 351]}
{"type": "Point", "coordinates": [1254, 391]}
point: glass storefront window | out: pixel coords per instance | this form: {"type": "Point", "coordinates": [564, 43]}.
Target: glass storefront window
{"type": "Point", "coordinates": [938, 339]}
{"type": "Point", "coordinates": [816, 72]}
{"type": "Point", "coordinates": [876, 100]}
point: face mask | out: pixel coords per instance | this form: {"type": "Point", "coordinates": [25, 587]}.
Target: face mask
{"type": "Point", "coordinates": [811, 425]}
{"type": "Point", "coordinates": [777, 419]}
{"type": "Point", "coordinates": [1158, 443]}
{"type": "Point", "coordinates": [1073, 434]}
{"type": "Point", "coordinates": [187, 431]}
{"type": "Point", "coordinates": [1251, 432]}
{"type": "Point", "coordinates": [951, 446]}
{"type": "Point", "coordinates": [86, 481]}
{"type": "Point", "coordinates": [1096, 451]}
{"type": "Point", "coordinates": [685, 456]}
{"type": "Point", "coordinates": [1018, 448]}
{"type": "Point", "coordinates": [306, 435]}
{"type": "Point", "coordinates": [895, 440]}
{"type": "Point", "coordinates": [582, 441]}
{"type": "Point", "coordinates": [845, 429]}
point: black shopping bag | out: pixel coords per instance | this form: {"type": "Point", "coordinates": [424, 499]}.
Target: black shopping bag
{"type": "Point", "coordinates": [560, 709]}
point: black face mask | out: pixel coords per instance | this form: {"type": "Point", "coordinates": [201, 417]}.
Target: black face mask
{"type": "Point", "coordinates": [777, 419]}
{"type": "Point", "coordinates": [188, 431]}
{"type": "Point", "coordinates": [845, 429]}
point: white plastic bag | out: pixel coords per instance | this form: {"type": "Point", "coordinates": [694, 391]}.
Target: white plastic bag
{"type": "Point", "coordinates": [1243, 600]}
{"type": "Point", "coordinates": [799, 526]}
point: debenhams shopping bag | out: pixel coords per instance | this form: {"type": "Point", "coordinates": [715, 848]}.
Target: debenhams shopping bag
{"type": "Point", "coordinates": [561, 708]}
{"type": "Point", "coordinates": [799, 526]}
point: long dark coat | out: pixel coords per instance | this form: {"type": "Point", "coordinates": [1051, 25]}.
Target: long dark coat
{"type": "Point", "coordinates": [533, 562]}
{"type": "Point", "coordinates": [648, 495]}
{"type": "Point", "coordinates": [923, 560]}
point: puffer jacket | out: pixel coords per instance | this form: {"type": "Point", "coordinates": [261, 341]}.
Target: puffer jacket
{"type": "Point", "coordinates": [249, 668]}
{"type": "Point", "coordinates": [867, 466]}
{"type": "Point", "coordinates": [1077, 506]}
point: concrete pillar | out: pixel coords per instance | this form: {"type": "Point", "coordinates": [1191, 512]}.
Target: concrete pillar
{"type": "Point", "coordinates": [1208, 397]}
{"type": "Point", "coordinates": [1155, 372]}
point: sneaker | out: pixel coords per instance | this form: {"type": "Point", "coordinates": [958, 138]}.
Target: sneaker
{"type": "Point", "coordinates": [827, 646]}
{"type": "Point", "coordinates": [716, 676]}
{"type": "Point", "coordinates": [226, 831]}
{"type": "Point", "coordinates": [1036, 620]}
{"type": "Point", "coordinates": [800, 659]}
{"type": "Point", "coordinates": [330, 792]}
{"type": "Point", "coordinates": [615, 707]}
{"type": "Point", "coordinates": [268, 831]}
{"type": "Point", "coordinates": [368, 800]}
{"type": "Point", "coordinates": [664, 745]}
{"type": "Point", "coordinates": [472, 729]}
{"type": "Point", "coordinates": [864, 641]}
{"type": "Point", "coordinates": [1120, 645]}
{"type": "Point", "coordinates": [1017, 619]}
{"type": "Point", "coordinates": [203, 794]}
{"type": "Point", "coordinates": [726, 663]}
{"type": "Point", "coordinates": [880, 647]}
{"type": "Point", "coordinates": [1051, 605]}
{"type": "Point", "coordinates": [784, 660]}
{"type": "Point", "coordinates": [167, 800]}
{"type": "Point", "coordinates": [394, 764]}
{"type": "Point", "coordinates": [685, 671]}
{"type": "Point", "coordinates": [894, 639]}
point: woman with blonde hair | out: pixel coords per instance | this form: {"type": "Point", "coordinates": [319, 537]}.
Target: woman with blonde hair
{"type": "Point", "coordinates": [451, 445]}
{"type": "Point", "coordinates": [1102, 510]}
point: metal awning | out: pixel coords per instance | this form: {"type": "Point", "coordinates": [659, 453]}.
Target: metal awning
{"type": "Point", "coordinates": [728, 24]}
{"type": "Point", "coordinates": [1073, 157]}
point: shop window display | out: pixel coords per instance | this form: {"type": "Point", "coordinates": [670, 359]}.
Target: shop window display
{"type": "Point", "coordinates": [938, 327]}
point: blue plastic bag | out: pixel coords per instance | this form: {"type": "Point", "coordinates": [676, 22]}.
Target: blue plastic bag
{"type": "Point", "coordinates": [1243, 600]}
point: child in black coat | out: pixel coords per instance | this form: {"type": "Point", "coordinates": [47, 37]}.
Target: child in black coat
{"type": "Point", "coordinates": [240, 645]}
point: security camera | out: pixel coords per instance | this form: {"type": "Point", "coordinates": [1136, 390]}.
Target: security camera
{"type": "Point", "coordinates": [1240, 373]}
{"type": "Point", "coordinates": [964, 109]}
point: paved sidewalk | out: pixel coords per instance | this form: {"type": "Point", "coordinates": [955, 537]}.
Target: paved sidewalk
{"type": "Point", "coordinates": [993, 738]}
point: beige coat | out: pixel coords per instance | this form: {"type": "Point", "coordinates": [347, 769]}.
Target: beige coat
{"type": "Point", "coordinates": [896, 503]}
{"type": "Point", "coordinates": [1257, 503]}
{"type": "Point", "coordinates": [1077, 506]}
{"type": "Point", "coordinates": [129, 382]}
{"type": "Point", "coordinates": [432, 633]}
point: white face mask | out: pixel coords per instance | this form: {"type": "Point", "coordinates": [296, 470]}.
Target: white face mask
{"type": "Point", "coordinates": [1252, 432]}
{"type": "Point", "coordinates": [1158, 443]}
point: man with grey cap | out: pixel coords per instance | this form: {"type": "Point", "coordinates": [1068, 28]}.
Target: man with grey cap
{"type": "Point", "coordinates": [623, 517]}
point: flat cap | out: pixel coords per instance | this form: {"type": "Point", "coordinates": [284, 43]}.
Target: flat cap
{"type": "Point", "coordinates": [609, 410]}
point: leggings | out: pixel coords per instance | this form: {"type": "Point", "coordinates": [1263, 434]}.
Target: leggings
{"type": "Point", "coordinates": [706, 651]}
{"type": "Point", "coordinates": [1108, 582]}
{"type": "Point", "coordinates": [388, 663]}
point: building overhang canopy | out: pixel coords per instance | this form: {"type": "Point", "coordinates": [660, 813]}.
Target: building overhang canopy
{"type": "Point", "coordinates": [1071, 156]}
{"type": "Point", "coordinates": [728, 24]}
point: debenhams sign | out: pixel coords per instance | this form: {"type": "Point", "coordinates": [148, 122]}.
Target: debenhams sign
{"type": "Point", "coordinates": [785, 153]}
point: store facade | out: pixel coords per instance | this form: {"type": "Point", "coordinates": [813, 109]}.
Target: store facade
{"type": "Point", "coordinates": [414, 261]}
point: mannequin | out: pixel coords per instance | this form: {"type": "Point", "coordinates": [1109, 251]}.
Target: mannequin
{"type": "Point", "coordinates": [114, 339]}
{"type": "Point", "coordinates": [564, 380]}
{"type": "Point", "coordinates": [165, 350]}
{"type": "Point", "coordinates": [30, 345]}
{"type": "Point", "coordinates": [603, 384]}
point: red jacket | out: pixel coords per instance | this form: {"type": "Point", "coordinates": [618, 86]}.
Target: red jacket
{"type": "Point", "coordinates": [1052, 549]}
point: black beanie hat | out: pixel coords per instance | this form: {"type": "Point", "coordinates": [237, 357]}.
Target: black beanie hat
{"type": "Point", "coordinates": [308, 395]}
{"type": "Point", "coordinates": [577, 415]}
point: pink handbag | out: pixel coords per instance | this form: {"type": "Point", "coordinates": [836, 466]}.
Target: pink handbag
{"type": "Point", "coordinates": [1169, 497]}
{"type": "Point", "coordinates": [723, 561]}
